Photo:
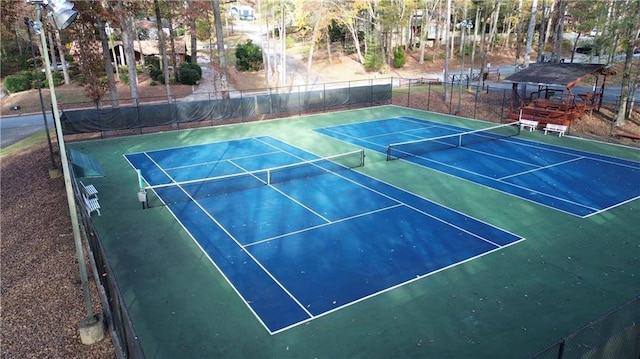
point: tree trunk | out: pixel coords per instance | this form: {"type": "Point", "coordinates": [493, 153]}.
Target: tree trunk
{"type": "Point", "coordinates": [192, 32]}
{"type": "Point", "coordinates": [163, 51]}
{"type": "Point", "coordinates": [519, 32]}
{"type": "Point", "coordinates": [283, 46]}
{"type": "Point", "coordinates": [65, 70]}
{"type": "Point", "coordinates": [494, 26]}
{"type": "Point", "coordinates": [549, 22]}
{"type": "Point", "coordinates": [629, 34]}
{"type": "Point", "coordinates": [126, 27]}
{"type": "Point", "coordinates": [222, 60]}
{"type": "Point", "coordinates": [356, 42]}
{"type": "Point", "coordinates": [172, 59]}
{"type": "Point", "coordinates": [424, 31]}
{"type": "Point", "coordinates": [530, 31]}
{"type": "Point", "coordinates": [52, 50]}
{"type": "Point", "coordinates": [446, 52]}
{"type": "Point", "coordinates": [108, 65]}
{"type": "Point", "coordinates": [316, 28]}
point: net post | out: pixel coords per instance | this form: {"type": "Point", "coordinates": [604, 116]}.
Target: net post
{"type": "Point", "coordinates": [142, 192]}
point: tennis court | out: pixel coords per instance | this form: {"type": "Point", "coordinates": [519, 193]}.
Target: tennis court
{"type": "Point", "coordinates": [567, 180]}
{"type": "Point", "coordinates": [299, 236]}
{"type": "Point", "coordinates": [179, 265]}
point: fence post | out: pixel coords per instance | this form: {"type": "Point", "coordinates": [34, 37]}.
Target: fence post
{"type": "Point", "coordinates": [504, 94]}
{"type": "Point", "coordinates": [299, 102]}
{"type": "Point", "coordinates": [408, 93]}
{"type": "Point", "coordinates": [451, 93]}
{"type": "Point", "coordinates": [137, 104]}
{"type": "Point", "coordinates": [428, 94]}
{"type": "Point", "coordinates": [370, 92]}
{"type": "Point", "coordinates": [561, 350]}
{"type": "Point", "coordinates": [475, 104]}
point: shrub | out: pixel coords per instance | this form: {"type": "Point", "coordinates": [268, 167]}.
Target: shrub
{"type": "Point", "coordinates": [193, 66]}
{"type": "Point", "coordinates": [152, 62]}
{"type": "Point", "coordinates": [399, 57]}
{"type": "Point", "coordinates": [124, 77]}
{"type": "Point", "coordinates": [57, 77]}
{"type": "Point", "coordinates": [189, 76]}
{"type": "Point", "coordinates": [248, 57]}
{"type": "Point", "coordinates": [18, 82]}
{"type": "Point", "coordinates": [156, 74]}
{"type": "Point", "coordinates": [289, 42]}
{"type": "Point", "coordinates": [373, 60]}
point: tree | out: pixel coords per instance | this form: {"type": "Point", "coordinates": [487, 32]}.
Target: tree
{"type": "Point", "coordinates": [627, 28]}
{"type": "Point", "coordinates": [113, 90]}
{"type": "Point", "coordinates": [222, 60]}
{"type": "Point", "coordinates": [427, 16]}
{"type": "Point", "coordinates": [248, 57]}
{"type": "Point", "coordinates": [316, 13]}
{"type": "Point", "coordinates": [163, 50]}
{"type": "Point", "coordinates": [347, 14]}
{"type": "Point", "coordinates": [125, 19]}
{"type": "Point", "coordinates": [530, 31]}
{"type": "Point", "coordinates": [90, 63]}
{"type": "Point", "coordinates": [191, 16]}
{"type": "Point", "coordinates": [88, 29]}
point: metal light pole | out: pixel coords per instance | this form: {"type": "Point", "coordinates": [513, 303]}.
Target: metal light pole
{"type": "Point", "coordinates": [62, 15]}
{"type": "Point", "coordinates": [475, 39]}
{"type": "Point", "coordinates": [53, 172]}
{"type": "Point", "coordinates": [463, 25]}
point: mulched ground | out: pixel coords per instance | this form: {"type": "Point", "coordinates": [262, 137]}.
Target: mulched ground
{"type": "Point", "coordinates": [42, 301]}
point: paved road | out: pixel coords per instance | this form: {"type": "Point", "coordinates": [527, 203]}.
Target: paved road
{"type": "Point", "coordinates": [15, 128]}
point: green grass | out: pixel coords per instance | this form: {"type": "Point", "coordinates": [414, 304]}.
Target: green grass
{"type": "Point", "coordinates": [29, 142]}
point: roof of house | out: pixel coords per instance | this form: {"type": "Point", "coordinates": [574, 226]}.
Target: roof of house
{"type": "Point", "coordinates": [150, 47]}
{"type": "Point", "coordinates": [560, 74]}
{"type": "Point", "coordinates": [146, 47]}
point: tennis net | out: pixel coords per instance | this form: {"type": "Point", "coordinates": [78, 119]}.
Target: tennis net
{"type": "Point", "coordinates": [177, 192]}
{"type": "Point", "coordinates": [427, 145]}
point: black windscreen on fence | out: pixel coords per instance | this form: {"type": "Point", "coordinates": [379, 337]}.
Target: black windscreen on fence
{"type": "Point", "coordinates": [162, 114]}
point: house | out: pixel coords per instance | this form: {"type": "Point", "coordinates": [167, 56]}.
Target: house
{"type": "Point", "coordinates": [141, 48]}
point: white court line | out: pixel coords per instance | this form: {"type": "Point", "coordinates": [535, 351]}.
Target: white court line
{"type": "Point", "coordinates": [506, 183]}
{"type": "Point", "coordinates": [298, 303]}
{"type": "Point", "coordinates": [220, 161]}
{"type": "Point", "coordinates": [321, 225]}
{"type": "Point", "coordinates": [541, 168]}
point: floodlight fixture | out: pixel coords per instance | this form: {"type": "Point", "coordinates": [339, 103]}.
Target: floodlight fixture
{"type": "Point", "coordinates": [60, 11]}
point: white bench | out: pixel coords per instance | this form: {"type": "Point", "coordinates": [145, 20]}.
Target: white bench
{"type": "Point", "coordinates": [528, 124]}
{"type": "Point", "coordinates": [560, 129]}
{"type": "Point", "coordinates": [89, 190]}
{"type": "Point", "coordinates": [91, 205]}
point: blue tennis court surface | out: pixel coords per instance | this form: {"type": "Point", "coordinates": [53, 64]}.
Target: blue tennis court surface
{"type": "Point", "coordinates": [307, 245]}
{"type": "Point", "coordinates": [568, 180]}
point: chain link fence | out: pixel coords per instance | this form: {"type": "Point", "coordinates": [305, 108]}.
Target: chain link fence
{"type": "Point", "coordinates": [615, 335]}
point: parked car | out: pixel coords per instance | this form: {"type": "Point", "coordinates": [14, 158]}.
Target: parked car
{"type": "Point", "coordinates": [588, 50]}
{"type": "Point", "coordinates": [57, 66]}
